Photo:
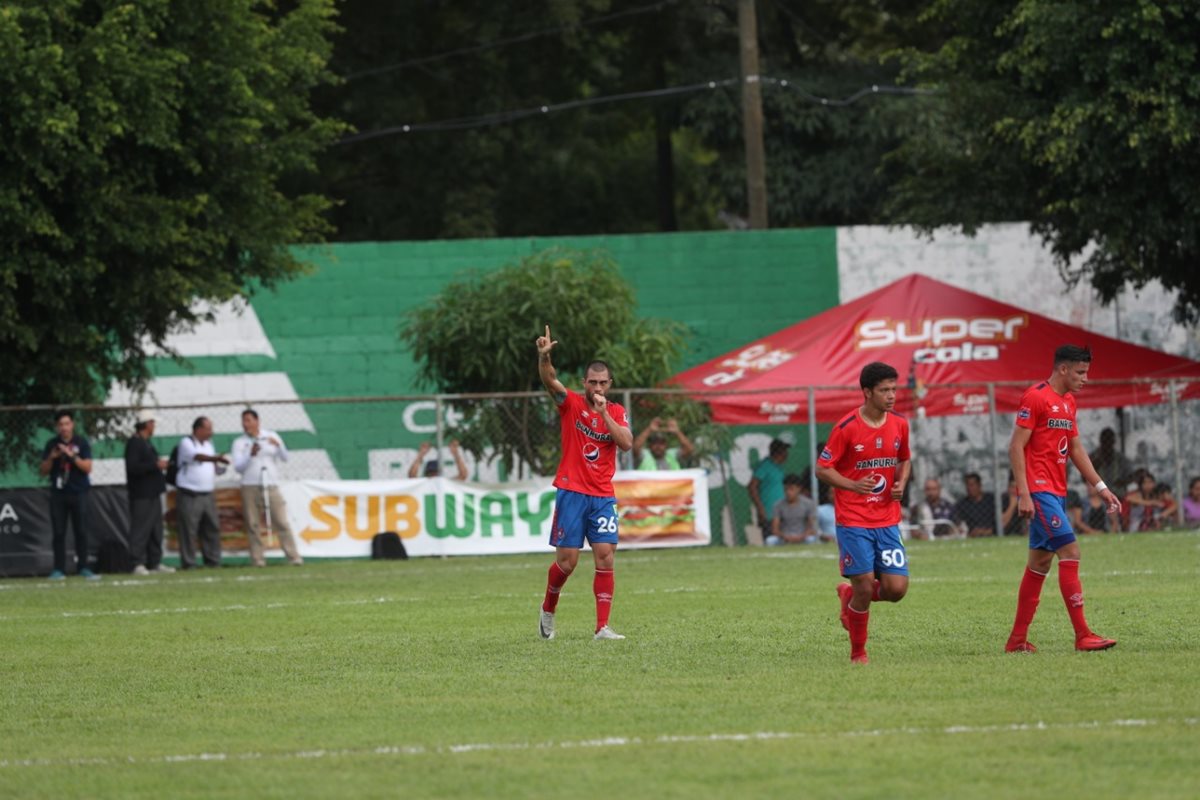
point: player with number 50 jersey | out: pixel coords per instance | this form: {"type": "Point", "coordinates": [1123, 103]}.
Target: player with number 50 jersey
{"type": "Point", "coordinates": [867, 462]}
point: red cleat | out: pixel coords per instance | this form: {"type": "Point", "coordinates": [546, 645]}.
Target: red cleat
{"type": "Point", "coordinates": [1020, 647]}
{"type": "Point", "coordinates": [1094, 642]}
{"type": "Point", "coordinates": [844, 593]}
{"type": "Point", "coordinates": [861, 658]}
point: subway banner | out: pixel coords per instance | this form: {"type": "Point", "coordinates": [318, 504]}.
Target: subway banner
{"type": "Point", "coordinates": [439, 516]}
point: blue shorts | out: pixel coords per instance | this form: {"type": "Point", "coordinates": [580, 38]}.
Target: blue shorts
{"type": "Point", "coordinates": [582, 515]}
{"type": "Point", "coordinates": [871, 550]}
{"type": "Point", "coordinates": [1050, 528]}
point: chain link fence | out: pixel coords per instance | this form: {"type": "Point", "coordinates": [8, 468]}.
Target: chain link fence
{"type": "Point", "coordinates": [512, 436]}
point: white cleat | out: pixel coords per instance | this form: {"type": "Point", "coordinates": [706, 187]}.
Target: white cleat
{"type": "Point", "coordinates": [546, 625]}
{"type": "Point", "coordinates": [140, 569]}
{"type": "Point", "coordinates": [607, 633]}
{"type": "Point", "coordinates": [164, 569]}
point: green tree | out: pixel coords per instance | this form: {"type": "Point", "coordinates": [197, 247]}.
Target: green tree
{"type": "Point", "coordinates": [1082, 118]}
{"type": "Point", "coordinates": [478, 336]}
{"type": "Point", "coordinates": [146, 153]}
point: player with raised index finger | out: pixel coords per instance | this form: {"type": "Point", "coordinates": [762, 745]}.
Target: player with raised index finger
{"type": "Point", "coordinates": [592, 428]}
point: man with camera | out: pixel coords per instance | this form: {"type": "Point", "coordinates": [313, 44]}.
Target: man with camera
{"type": "Point", "coordinates": [256, 456]}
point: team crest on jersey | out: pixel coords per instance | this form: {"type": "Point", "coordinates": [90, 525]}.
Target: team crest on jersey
{"type": "Point", "coordinates": [1062, 446]}
{"type": "Point", "coordinates": [878, 442]}
{"type": "Point", "coordinates": [591, 452]}
{"type": "Point", "coordinates": [896, 443]}
{"type": "Point", "coordinates": [825, 454]}
{"type": "Point", "coordinates": [1023, 413]}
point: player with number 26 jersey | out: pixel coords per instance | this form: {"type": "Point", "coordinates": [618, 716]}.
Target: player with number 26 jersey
{"type": "Point", "coordinates": [589, 455]}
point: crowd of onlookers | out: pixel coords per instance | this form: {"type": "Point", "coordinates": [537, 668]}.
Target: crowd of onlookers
{"type": "Point", "coordinates": [788, 514]}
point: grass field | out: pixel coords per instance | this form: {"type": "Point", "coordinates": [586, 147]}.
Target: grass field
{"type": "Point", "coordinates": [427, 679]}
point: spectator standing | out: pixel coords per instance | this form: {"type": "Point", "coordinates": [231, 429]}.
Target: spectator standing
{"type": "Point", "coordinates": [794, 520]}
{"type": "Point", "coordinates": [196, 507]}
{"type": "Point", "coordinates": [1191, 504]}
{"type": "Point", "coordinates": [1113, 467]}
{"type": "Point", "coordinates": [651, 451]}
{"type": "Point", "coordinates": [766, 485]}
{"type": "Point", "coordinates": [433, 467]}
{"type": "Point", "coordinates": [934, 513]}
{"type": "Point", "coordinates": [975, 514]}
{"type": "Point", "coordinates": [257, 454]}
{"type": "Point", "coordinates": [145, 484]}
{"type": "Point", "coordinates": [67, 459]}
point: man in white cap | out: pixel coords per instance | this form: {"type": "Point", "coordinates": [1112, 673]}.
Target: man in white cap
{"type": "Point", "coordinates": [145, 482]}
{"type": "Point", "coordinates": [766, 486]}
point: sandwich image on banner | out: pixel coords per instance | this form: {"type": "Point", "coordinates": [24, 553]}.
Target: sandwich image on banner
{"type": "Point", "coordinates": [662, 508]}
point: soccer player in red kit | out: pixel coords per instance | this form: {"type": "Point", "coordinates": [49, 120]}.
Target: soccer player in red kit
{"type": "Point", "coordinates": [592, 430]}
{"type": "Point", "coordinates": [1044, 438]}
{"type": "Point", "coordinates": [866, 460]}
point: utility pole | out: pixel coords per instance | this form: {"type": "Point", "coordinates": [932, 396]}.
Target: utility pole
{"type": "Point", "coordinates": [752, 116]}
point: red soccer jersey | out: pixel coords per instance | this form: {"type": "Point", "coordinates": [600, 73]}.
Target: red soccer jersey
{"type": "Point", "coordinates": [1051, 417]}
{"type": "Point", "coordinates": [589, 455]}
{"type": "Point", "coordinates": [856, 451]}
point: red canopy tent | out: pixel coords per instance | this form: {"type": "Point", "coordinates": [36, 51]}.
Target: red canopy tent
{"type": "Point", "coordinates": [946, 343]}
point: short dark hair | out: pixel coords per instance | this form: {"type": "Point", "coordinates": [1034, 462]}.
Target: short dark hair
{"type": "Point", "coordinates": [598, 364]}
{"type": "Point", "coordinates": [876, 373]}
{"type": "Point", "coordinates": [62, 412]}
{"type": "Point", "coordinates": [792, 479]}
{"type": "Point", "coordinates": [973, 476]}
{"type": "Point", "coordinates": [656, 436]}
{"type": "Point", "coordinates": [251, 412]}
{"type": "Point", "coordinates": [1072, 353]}
{"type": "Point", "coordinates": [198, 423]}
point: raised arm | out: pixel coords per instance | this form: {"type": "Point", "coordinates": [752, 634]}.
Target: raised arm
{"type": "Point", "coordinates": [456, 451]}
{"type": "Point", "coordinates": [685, 444]}
{"type": "Point", "coordinates": [546, 372]}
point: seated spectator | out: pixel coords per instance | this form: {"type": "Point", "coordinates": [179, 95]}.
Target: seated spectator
{"type": "Point", "coordinates": [933, 514]}
{"type": "Point", "coordinates": [1009, 518]}
{"type": "Point", "coordinates": [794, 520]}
{"type": "Point", "coordinates": [1191, 504]}
{"type": "Point", "coordinates": [433, 467]}
{"type": "Point", "coordinates": [650, 449]}
{"type": "Point", "coordinates": [826, 524]}
{"type": "Point", "coordinates": [1150, 506]}
{"type": "Point", "coordinates": [1090, 516]}
{"type": "Point", "coordinates": [975, 514]}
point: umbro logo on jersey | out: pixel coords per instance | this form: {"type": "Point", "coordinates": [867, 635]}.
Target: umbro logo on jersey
{"type": "Point", "coordinates": [858, 448]}
{"type": "Point", "coordinates": [1054, 409]}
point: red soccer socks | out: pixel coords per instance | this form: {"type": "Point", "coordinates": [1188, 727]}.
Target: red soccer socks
{"type": "Point", "coordinates": [1072, 592]}
{"type": "Point", "coordinates": [554, 584]}
{"type": "Point", "coordinates": [1027, 602]}
{"type": "Point", "coordinates": [844, 593]}
{"type": "Point", "coordinates": [858, 634]}
{"type": "Point", "coordinates": [602, 586]}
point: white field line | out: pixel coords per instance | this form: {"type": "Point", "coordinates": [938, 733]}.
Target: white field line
{"type": "Point", "coordinates": [600, 743]}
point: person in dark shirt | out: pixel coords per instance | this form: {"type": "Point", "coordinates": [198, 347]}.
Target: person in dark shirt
{"type": "Point", "coordinates": [67, 460]}
{"type": "Point", "coordinates": [975, 514]}
{"type": "Point", "coordinates": [145, 483]}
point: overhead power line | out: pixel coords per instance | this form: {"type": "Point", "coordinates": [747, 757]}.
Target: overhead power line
{"type": "Point", "coordinates": [498, 43]}
{"type": "Point", "coordinates": [515, 115]}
